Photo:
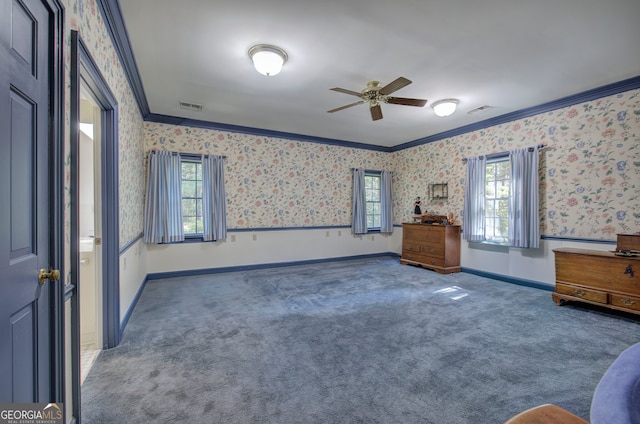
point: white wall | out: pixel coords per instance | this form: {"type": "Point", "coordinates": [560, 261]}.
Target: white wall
{"type": "Point", "coordinates": [528, 264]}
{"type": "Point", "coordinates": [267, 247]}
{"type": "Point", "coordinates": [278, 246]}
{"type": "Point", "coordinates": [133, 272]}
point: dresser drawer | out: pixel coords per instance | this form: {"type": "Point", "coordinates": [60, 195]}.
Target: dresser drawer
{"type": "Point", "coordinates": [582, 293]}
{"type": "Point", "coordinates": [423, 259]}
{"type": "Point", "coordinates": [625, 301]}
{"type": "Point", "coordinates": [434, 233]}
{"type": "Point", "coordinates": [423, 233]}
{"type": "Point", "coordinates": [436, 251]}
{"type": "Point", "coordinates": [410, 247]}
{"type": "Point", "coordinates": [427, 250]}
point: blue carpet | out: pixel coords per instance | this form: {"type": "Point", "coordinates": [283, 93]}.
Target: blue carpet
{"type": "Point", "coordinates": [361, 341]}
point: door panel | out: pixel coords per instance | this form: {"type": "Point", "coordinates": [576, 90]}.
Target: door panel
{"type": "Point", "coordinates": [23, 347]}
{"type": "Point", "coordinates": [22, 142]}
{"type": "Point", "coordinates": [25, 305]}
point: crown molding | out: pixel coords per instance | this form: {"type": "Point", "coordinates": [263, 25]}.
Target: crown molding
{"type": "Point", "coordinates": [174, 120]}
{"type": "Point", "coordinates": [114, 22]}
{"type": "Point", "coordinates": [586, 96]}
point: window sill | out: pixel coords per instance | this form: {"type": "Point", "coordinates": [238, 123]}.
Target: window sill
{"type": "Point", "coordinates": [193, 239]}
{"type": "Point", "coordinates": [492, 243]}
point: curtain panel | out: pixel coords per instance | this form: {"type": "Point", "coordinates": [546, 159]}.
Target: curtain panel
{"type": "Point", "coordinates": [474, 208]}
{"type": "Point", "coordinates": [386, 203]}
{"type": "Point", "coordinates": [524, 225]}
{"type": "Point", "coordinates": [358, 204]}
{"type": "Point", "coordinates": [214, 202]}
{"type": "Point", "coordinates": [163, 203]}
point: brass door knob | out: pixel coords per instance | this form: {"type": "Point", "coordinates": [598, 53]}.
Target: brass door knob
{"type": "Point", "coordinates": [51, 275]}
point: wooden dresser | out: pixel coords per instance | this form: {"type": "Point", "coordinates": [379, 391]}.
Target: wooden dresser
{"type": "Point", "coordinates": [597, 277]}
{"type": "Point", "coordinates": [432, 246]}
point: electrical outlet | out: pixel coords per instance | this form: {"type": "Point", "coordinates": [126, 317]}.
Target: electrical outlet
{"type": "Point", "coordinates": [124, 263]}
{"type": "Point", "coordinates": [255, 237]}
{"type": "Point", "coordinates": [373, 238]}
{"type": "Point", "coordinates": [233, 238]}
{"type": "Point", "coordinates": [327, 234]}
{"type": "Point", "coordinates": [339, 233]}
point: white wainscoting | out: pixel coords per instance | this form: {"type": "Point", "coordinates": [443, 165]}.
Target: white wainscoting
{"type": "Point", "coordinates": [268, 247]}
{"type": "Point", "coordinates": [536, 265]}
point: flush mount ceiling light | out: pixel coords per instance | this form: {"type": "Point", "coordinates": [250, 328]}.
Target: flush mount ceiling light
{"type": "Point", "coordinates": [444, 107]}
{"type": "Point", "coordinates": [267, 59]}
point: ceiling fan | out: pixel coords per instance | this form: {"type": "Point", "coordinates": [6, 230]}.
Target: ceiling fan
{"type": "Point", "coordinates": [374, 95]}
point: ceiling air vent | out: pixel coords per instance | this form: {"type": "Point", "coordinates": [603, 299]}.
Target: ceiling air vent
{"type": "Point", "coordinates": [479, 109]}
{"type": "Point", "coordinates": [191, 106]}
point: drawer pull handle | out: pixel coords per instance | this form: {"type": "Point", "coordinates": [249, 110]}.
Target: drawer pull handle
{"type": "Point", "coordinates": [432, 250]}
{"type": "Point", "coordinates": [433, 261]}
{"type": "Point", "coordinates": [629, 270]}
{"type": "Point", "coordinates": [579, 292]}
{"type": "Point", "coordinates": [627, 302]}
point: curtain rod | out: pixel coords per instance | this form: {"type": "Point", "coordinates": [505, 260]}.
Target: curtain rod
{"type": "Point", "coordinates": [186, 153]}
{"type": "Point", "coordinates": [531, 149]}
{"type": "Point", "coordinates": [371, 170]}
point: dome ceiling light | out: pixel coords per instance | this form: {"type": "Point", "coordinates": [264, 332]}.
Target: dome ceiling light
{"type": "Point", "coordinates": [444, 107]}
{"type": "Point", "coordinates": [267, 59]}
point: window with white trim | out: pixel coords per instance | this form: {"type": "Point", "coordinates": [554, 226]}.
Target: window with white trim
{"type": "Point", "coordinates": [372, 195]}
{"type": "Point", "coordinates": [497, 198]}
{"type": "Point", "coordinates": [192, 197]}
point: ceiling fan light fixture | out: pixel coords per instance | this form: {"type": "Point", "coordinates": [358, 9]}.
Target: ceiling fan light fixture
{"type": "Point", "coordinates": [445, 107]}
{"type": "Point", "coordinates": [267, 59]}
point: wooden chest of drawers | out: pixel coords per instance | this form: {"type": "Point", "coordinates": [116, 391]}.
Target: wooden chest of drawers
{"type": "Point", "coordinates": [431, 246]}
{"type": "Point", "coordinates": [597, 277]}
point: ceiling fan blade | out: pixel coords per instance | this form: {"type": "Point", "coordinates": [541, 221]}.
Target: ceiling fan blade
{"type": "Point", "coordinates": [376, 112]}
{"type": "Point", "coordinates": [345, 91]}
{"type": "Point", "coordinates": [394, 86]}
{"type": "Point", "coordinates": [406, 102]}
{"type": "Point", "coordinates": [344, 107]}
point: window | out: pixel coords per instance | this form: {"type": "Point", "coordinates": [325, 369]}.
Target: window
{"type": "Point", "coordinates": [501, 199]}
{"type": "Point", "coordinates": [185, 198]}
{"type": "Point", "coordinates": [497, 194]}
{"type": "Point", "coordinates": [192, 197]}
{"type": "Point", "coordinates": [372, 195]}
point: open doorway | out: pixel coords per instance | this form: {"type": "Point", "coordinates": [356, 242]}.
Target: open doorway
{"type": "Point", "coordinates": [92, 308]}
{"type": "Point", "coordinates": [90, 231]}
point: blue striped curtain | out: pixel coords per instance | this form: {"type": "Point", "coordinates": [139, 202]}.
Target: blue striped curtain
{"type": "Point", "coordinates": [386, 203]}
{"type": "Point", "coordinates": [473, 213]}
{"type": "Point", "coordinates": [524, 220]}
{"type": "Point", "coordinates": [163, 204]}
{"type": "Point", "coordinates": [214, 203]}
{"type": "Point", "coordinates": [359, 204]}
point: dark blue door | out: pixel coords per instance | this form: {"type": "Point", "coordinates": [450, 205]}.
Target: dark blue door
{"type": "Point", "coordinates": [25, 302]}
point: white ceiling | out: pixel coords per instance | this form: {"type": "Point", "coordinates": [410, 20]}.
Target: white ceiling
{"type": "Point", "coordinates": [508, 54]}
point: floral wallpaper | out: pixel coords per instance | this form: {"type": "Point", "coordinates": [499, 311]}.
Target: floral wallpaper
{"type": "Point", "coordinates": [275, 183]}
{"type": "Point", "coordinates": [84, 17]}
{"type": "Point", "coordinates": [589, 171]}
